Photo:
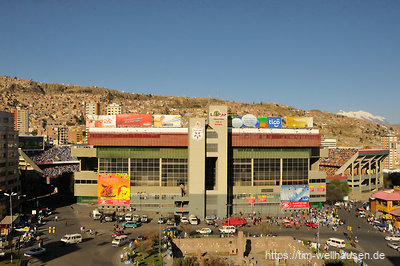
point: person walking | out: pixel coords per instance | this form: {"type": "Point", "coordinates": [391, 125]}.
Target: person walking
{"type": "Point", "coordinates": [56, 218]}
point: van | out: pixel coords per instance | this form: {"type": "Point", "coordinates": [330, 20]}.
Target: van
{"type": "Point", "coordinates": [120, 240]}
{"type": "Point", "coordinates": [128, 217]}
{"type": "Point", "coordinates": [193, 220]}
{"type": "Point", "coordinates": [336, 242]}
{"type": "Point", "coordinates": [227, 229]}
{"type": "Point", "coordinates": [72, 239]}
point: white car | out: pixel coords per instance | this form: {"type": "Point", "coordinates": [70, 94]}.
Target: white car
{"type": "Point", "coordinates": [136, 218]}
{"type": "Point", "coordinates": [144, 219]}
{"type": "Point", "coordinates": [204, 231]}
{"type": "Point", "coordinates": [394, 246]}
{"type": "Point", "coordinates": [36, 251]}
{"type": "Point", "coordinates": [184, 220]}
{"type": "Point", "coordinates": [393, 238]}
{"type": "Point", "coordinates": [228, 229]}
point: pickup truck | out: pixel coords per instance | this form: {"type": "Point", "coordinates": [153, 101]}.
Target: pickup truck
{"type": "Point", "coordinates": [228, 229]}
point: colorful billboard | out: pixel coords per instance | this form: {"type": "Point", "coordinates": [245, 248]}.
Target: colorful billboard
{"type": "Point", "coordinates": [114, 189]}
{"type": "Point", "coordinates": [249, 121]}
{"type": "Point", "coordinates": [167, 121]}
{"type": "Point", "coordinates": [274, 122]}
{"type": "Point", "coordinates": [295, 196]}
{"type": "Point", "coordinates": [134, 120]}
{"type": "Point", "coordinates": [31, 143]}
{"type": "Point", "coordinates": [299, 121]}
{"type": "Point", "coordinates": [100, 121]}
{"type": "Point", "coordinates": [250, 199]}
{"type": "Point", "coordinates": [262, 198]}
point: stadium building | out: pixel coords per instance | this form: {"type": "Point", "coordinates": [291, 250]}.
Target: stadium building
{"type": "Point", "coordinates": [361, 169]}
{"type": "Point", "coordinates": [208, 168]}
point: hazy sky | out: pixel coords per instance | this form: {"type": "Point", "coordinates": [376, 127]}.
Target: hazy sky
{"type": "Point", "coordinates": [326, 55]}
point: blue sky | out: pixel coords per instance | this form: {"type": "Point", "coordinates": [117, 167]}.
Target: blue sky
{"type": "Point", "coordinates": [327, 55]}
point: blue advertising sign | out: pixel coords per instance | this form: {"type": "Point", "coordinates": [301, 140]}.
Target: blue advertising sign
{"type": "Point", "coordinates": [274, 122]}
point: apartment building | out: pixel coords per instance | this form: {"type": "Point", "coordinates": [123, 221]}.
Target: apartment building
{"type": "Point", "coordinates": [114, 109]}
{"type": "Point", "coordinates": [9, 176]}
{"type": "Point", "coordinates": [21, 121]}
{"type": "Point", "coordinates": [92, 108]}
{"type": "Point", "coordinates": [390, 142]}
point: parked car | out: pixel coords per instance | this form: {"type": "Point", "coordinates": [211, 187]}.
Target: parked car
{"type": "Point", "coordinates": [72, 239]}
{"type": "Point", "coordinates": [227, 229]}
{"type": "Point", "coordinates": [170, 229]}
{"type": "Point", "coordinates": [311, 224]}
{"type": "Point", "coordinates": [162, 220]}
{"type": "Point", "coordinates": [136, 218]}
{"type": "Point", "coordinates": [117, 233]}
{"type": "Point", "coordinates": [184, 220]}
{"type": "Point", "coordinates": [193, 220]}
{"type": "Point", "coordinates": [171, 221]}
{"type": "Point", "coordinates": [120, 240]}
{"type": "Point", "coordinates": [128, 217]}
{"type": "Point", "coordinates": [209, 220]}
{"type": "Point", "coordinates": [204, 231]}
{"type": "Point", "coordinates": [36, 251]}
{"type": "Point", "coordinates": [144, 219]}
{"type": "Point", "coordinates": [287, 224]}
{"type": "Point", "coordinates": [393, 238]}
{"type": "Point", "coordinates": [129, 225]}
{"type": "Point", "coordinates": [394, 245]}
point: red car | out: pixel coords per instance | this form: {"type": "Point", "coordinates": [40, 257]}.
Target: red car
{"type": "Point", "coordinates": [118, 233]}
{"type": "Point", "coordinates": [311, 224]}
{"type": "Point", "coordinates": [234, 221]}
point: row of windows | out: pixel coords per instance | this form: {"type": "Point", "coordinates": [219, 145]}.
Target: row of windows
{"type": "Point", "coordinates": [83, 181]}
{"type": "Point", "coordinates": [146, 171]}
{"type": "Point", "coordinates": [267, 172]}
{"type": "Point", "coordinates": [323, 180]}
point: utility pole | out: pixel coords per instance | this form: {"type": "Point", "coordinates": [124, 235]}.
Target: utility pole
{"type": "Point", "coordinates": [11, 221]}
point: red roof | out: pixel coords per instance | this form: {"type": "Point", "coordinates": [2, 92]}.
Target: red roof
{"type": "Point", "coordinates": [387, 195]}
{"type": "Point", "coordinates": [395, 212]}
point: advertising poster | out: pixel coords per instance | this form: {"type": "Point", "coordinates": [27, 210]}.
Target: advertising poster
{"type": "Point", "coordinates": [250, 199]}
{"type": "Point", "coordinates": [114, 189]}
{"type": "Point", "coordinates": [311, 188]}
{"type": "Point", "coordinates": [321, 189]}
{"type": "Point", "coordinates": [274, 122]}
{"type": "Point", "coordinates": [31, 143]}
{"type": "Point", "coordinates": [295, 196]}
{"type": "Point", "coordinates": [167, 121]}
{"type": "Point", "coordinates": [100, 121]}
{"type": "Point", "coordinates": [262, 198]}
{"type": "Point", "coordinates": [299, 122]}
{"type": "Point", "coordinates": [134, 120]}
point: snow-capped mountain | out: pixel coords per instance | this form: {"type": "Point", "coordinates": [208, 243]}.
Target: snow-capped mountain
{"type": "Point", "coordinates": [365, 116]}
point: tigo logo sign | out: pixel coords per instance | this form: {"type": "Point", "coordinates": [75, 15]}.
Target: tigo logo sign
{"type": "Point", "coordinates": [274, 122]}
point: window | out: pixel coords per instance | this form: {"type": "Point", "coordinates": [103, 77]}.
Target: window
{"type": "Point", "coordinates": [295, 171]}
{"type": "Point", "coordinates": [241, 172]}
{"type": "Point", "coordinates": [267, 172]}
{"type": "Point", "coordinates": [174, 172]}
{"type": "Point", "coordinates": [113, 165]}
{"type": "Point", "coordinates": [145, 172]}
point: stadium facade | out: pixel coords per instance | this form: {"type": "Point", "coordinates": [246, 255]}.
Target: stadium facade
{"type": "Point", "coordinates": [208, 168]}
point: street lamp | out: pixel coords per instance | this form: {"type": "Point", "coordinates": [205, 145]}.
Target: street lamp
{"type": "Point", "coordinates": [11, 194]}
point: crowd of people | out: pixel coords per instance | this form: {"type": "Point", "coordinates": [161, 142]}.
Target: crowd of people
{"type": "Point", "coordinates": [338, 156]}
{"type": "Point", "coordinates": [58, 170]}
{"type": "Point", "coordinates": [53, 154]}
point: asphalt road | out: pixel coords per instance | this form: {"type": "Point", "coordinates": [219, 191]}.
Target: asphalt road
{"type": "Point", "coordinates": [98, 250]}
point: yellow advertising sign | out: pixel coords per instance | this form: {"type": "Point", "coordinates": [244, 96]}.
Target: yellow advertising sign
{"type": "Point", "coordinates": [292, 121]}
{"type": "Point", "coordinates": [114, 188]}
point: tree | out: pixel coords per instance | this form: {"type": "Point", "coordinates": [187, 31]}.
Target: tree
{"type": "Point", "coordinates": [335, 191]}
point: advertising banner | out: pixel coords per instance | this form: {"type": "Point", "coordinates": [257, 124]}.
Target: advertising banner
{"type": "Point", "coordinates": [100, 121]}
{"type": "Point", "coordinates": [295, 196]}
{"type": "Point", "coordinates": [167, 121]}
{"type": "Point", "coordinates": [311, 188]}
{"type": "Point", "coordinates": [321, 189]}
{"type": "Point", "coordinates": [31, 143]}
{"type": "Point", "coordinates": [274, 122]}
{"type": "Point", "coordinates": [299, 121]}
{"type": "Point", "coordinates": [250, 199]}
{"type": "Point", "coordinates": [262, 198]}
{"type": "Point", "coordinates": [114, 189]}
{"type": "Point", "coordinates": [134, 120]}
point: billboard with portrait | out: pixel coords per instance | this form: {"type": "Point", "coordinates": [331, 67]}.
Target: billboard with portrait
{"type": "Point", "coordinates": [134, 120]}
{"type": "Point", "coordinates": [293, 121]}
{"type": "Point", "coordinates": [167, 121]}
{"type": "Point", "coordinates": [114, 189]}
{"type": "Point", "coordinates": [31, 143]}
{"type": "Point", "coordinates": [108, 121]}
{"type": "Point", "coordinates": [295, 196]}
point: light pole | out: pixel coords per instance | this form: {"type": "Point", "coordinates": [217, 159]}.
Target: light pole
{"type": "Point", "coordinates": [11, 194]}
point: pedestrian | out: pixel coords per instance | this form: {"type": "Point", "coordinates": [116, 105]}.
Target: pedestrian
{"type": "Point", "coordinates": [95, 233]}
{"type": "Point", "coordinates": [66, 222]}
{"type": "Point", "coordinates": [56, 218]}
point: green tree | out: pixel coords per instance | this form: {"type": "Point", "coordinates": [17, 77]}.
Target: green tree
{"type": "Point", "coordinates": [335, 191]}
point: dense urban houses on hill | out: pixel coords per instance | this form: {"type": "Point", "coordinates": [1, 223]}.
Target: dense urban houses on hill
{"type": "Point", "coordinates": [209, 168]}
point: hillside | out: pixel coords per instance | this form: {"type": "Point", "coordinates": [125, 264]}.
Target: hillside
{"type": "Point", "coordinates": [51, 105]}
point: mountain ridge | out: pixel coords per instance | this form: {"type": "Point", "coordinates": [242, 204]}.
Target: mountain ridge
{"type": "Point", "coordinates": [52, 105]}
